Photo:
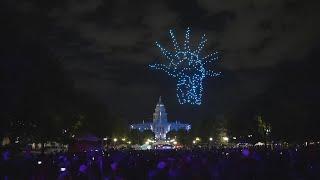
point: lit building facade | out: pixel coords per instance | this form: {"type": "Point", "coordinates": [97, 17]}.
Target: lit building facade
{"type": "Point", "coordinates": [160, 125]}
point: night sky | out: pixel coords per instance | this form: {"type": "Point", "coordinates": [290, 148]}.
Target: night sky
{"type": "Point", "coordinates": [269, 54]}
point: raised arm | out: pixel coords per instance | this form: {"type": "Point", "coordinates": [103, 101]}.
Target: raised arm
{"type": "Point", "coordinates": [212, 73]}
{"type": "Point", "coordinates": [211, 58]}
{"type": "Point", "coordinates": [164, 68]}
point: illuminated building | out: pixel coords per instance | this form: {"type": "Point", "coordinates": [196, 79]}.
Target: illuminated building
{"type": "Point", "coordinates": [160, 125]}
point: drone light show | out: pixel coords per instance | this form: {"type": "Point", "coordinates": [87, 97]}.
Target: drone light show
{"type": "Point", "coordinates": [188, 67]}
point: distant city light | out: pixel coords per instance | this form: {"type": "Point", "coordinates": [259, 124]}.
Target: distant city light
{"type": "Point", "coordinates": [259, 144]}
{"type": "Point", "coordinates": [115, 140]}
{"type": "Point", "coordinates": [123, 139]}
{"type": "Point", "coordinates": [197, 139]}
{"type": "Point", "coordinates": [234, 138]}
{"type": "Point", "coordinates": [175, 142]}
{"type": "Point", "coordinates": [210, 139]}
{"type": "Point", "coordinates": [193, 141]}
{"type": "Point", "coordinates": [225, 138]}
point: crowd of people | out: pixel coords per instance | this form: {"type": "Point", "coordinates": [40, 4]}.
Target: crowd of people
{"type": "Point", "coordinates": [215, 163]}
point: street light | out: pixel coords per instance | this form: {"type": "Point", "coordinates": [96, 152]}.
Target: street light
{"type": "Point", "coordinates": [194, 142]}
{"type": "Point", "coordinates": [115, 140]}
{"type": "Point", "coordinates": [175, 142]}
{"type": "Point", "coordinates": [210, 139]}
{"type": "Point", "coordinates": [226, 139]}
{"type": "Point", "coordinates": [197, 139]}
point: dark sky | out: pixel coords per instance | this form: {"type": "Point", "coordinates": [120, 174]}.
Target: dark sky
{"type": "Point", "coordinates": [269, 51]}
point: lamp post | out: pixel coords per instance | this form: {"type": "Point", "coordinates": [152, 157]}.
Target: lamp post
{"type": "Point", "coordinates": [115, 141]}
{"type": "Point", "coordinates": [210, 142]}
{"type": "Point", "coordinates": [225, 139]}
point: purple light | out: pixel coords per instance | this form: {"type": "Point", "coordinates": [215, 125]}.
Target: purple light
{"type": "Point", "coordinates": [161, 165]}
{"type": "Point", "coordinates": [245, 152]}
{"type": "Point", "coordinates": [83, 168]}
{"type": "Point", "coordinates": [114, 166]}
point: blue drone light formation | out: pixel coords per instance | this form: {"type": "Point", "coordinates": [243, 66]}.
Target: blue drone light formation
{"type": "Point", "coordinates": [188, 67]}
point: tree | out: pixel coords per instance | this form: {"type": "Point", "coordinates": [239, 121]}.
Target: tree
{"type": "Point", "coordinates": [182, 136]}
{"type": "Point", "coordinates": [264, 128]}
{"type": "Point", "coordinates": [219, 131]}
{"type": "Point", "coordinates": [138, 137]}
